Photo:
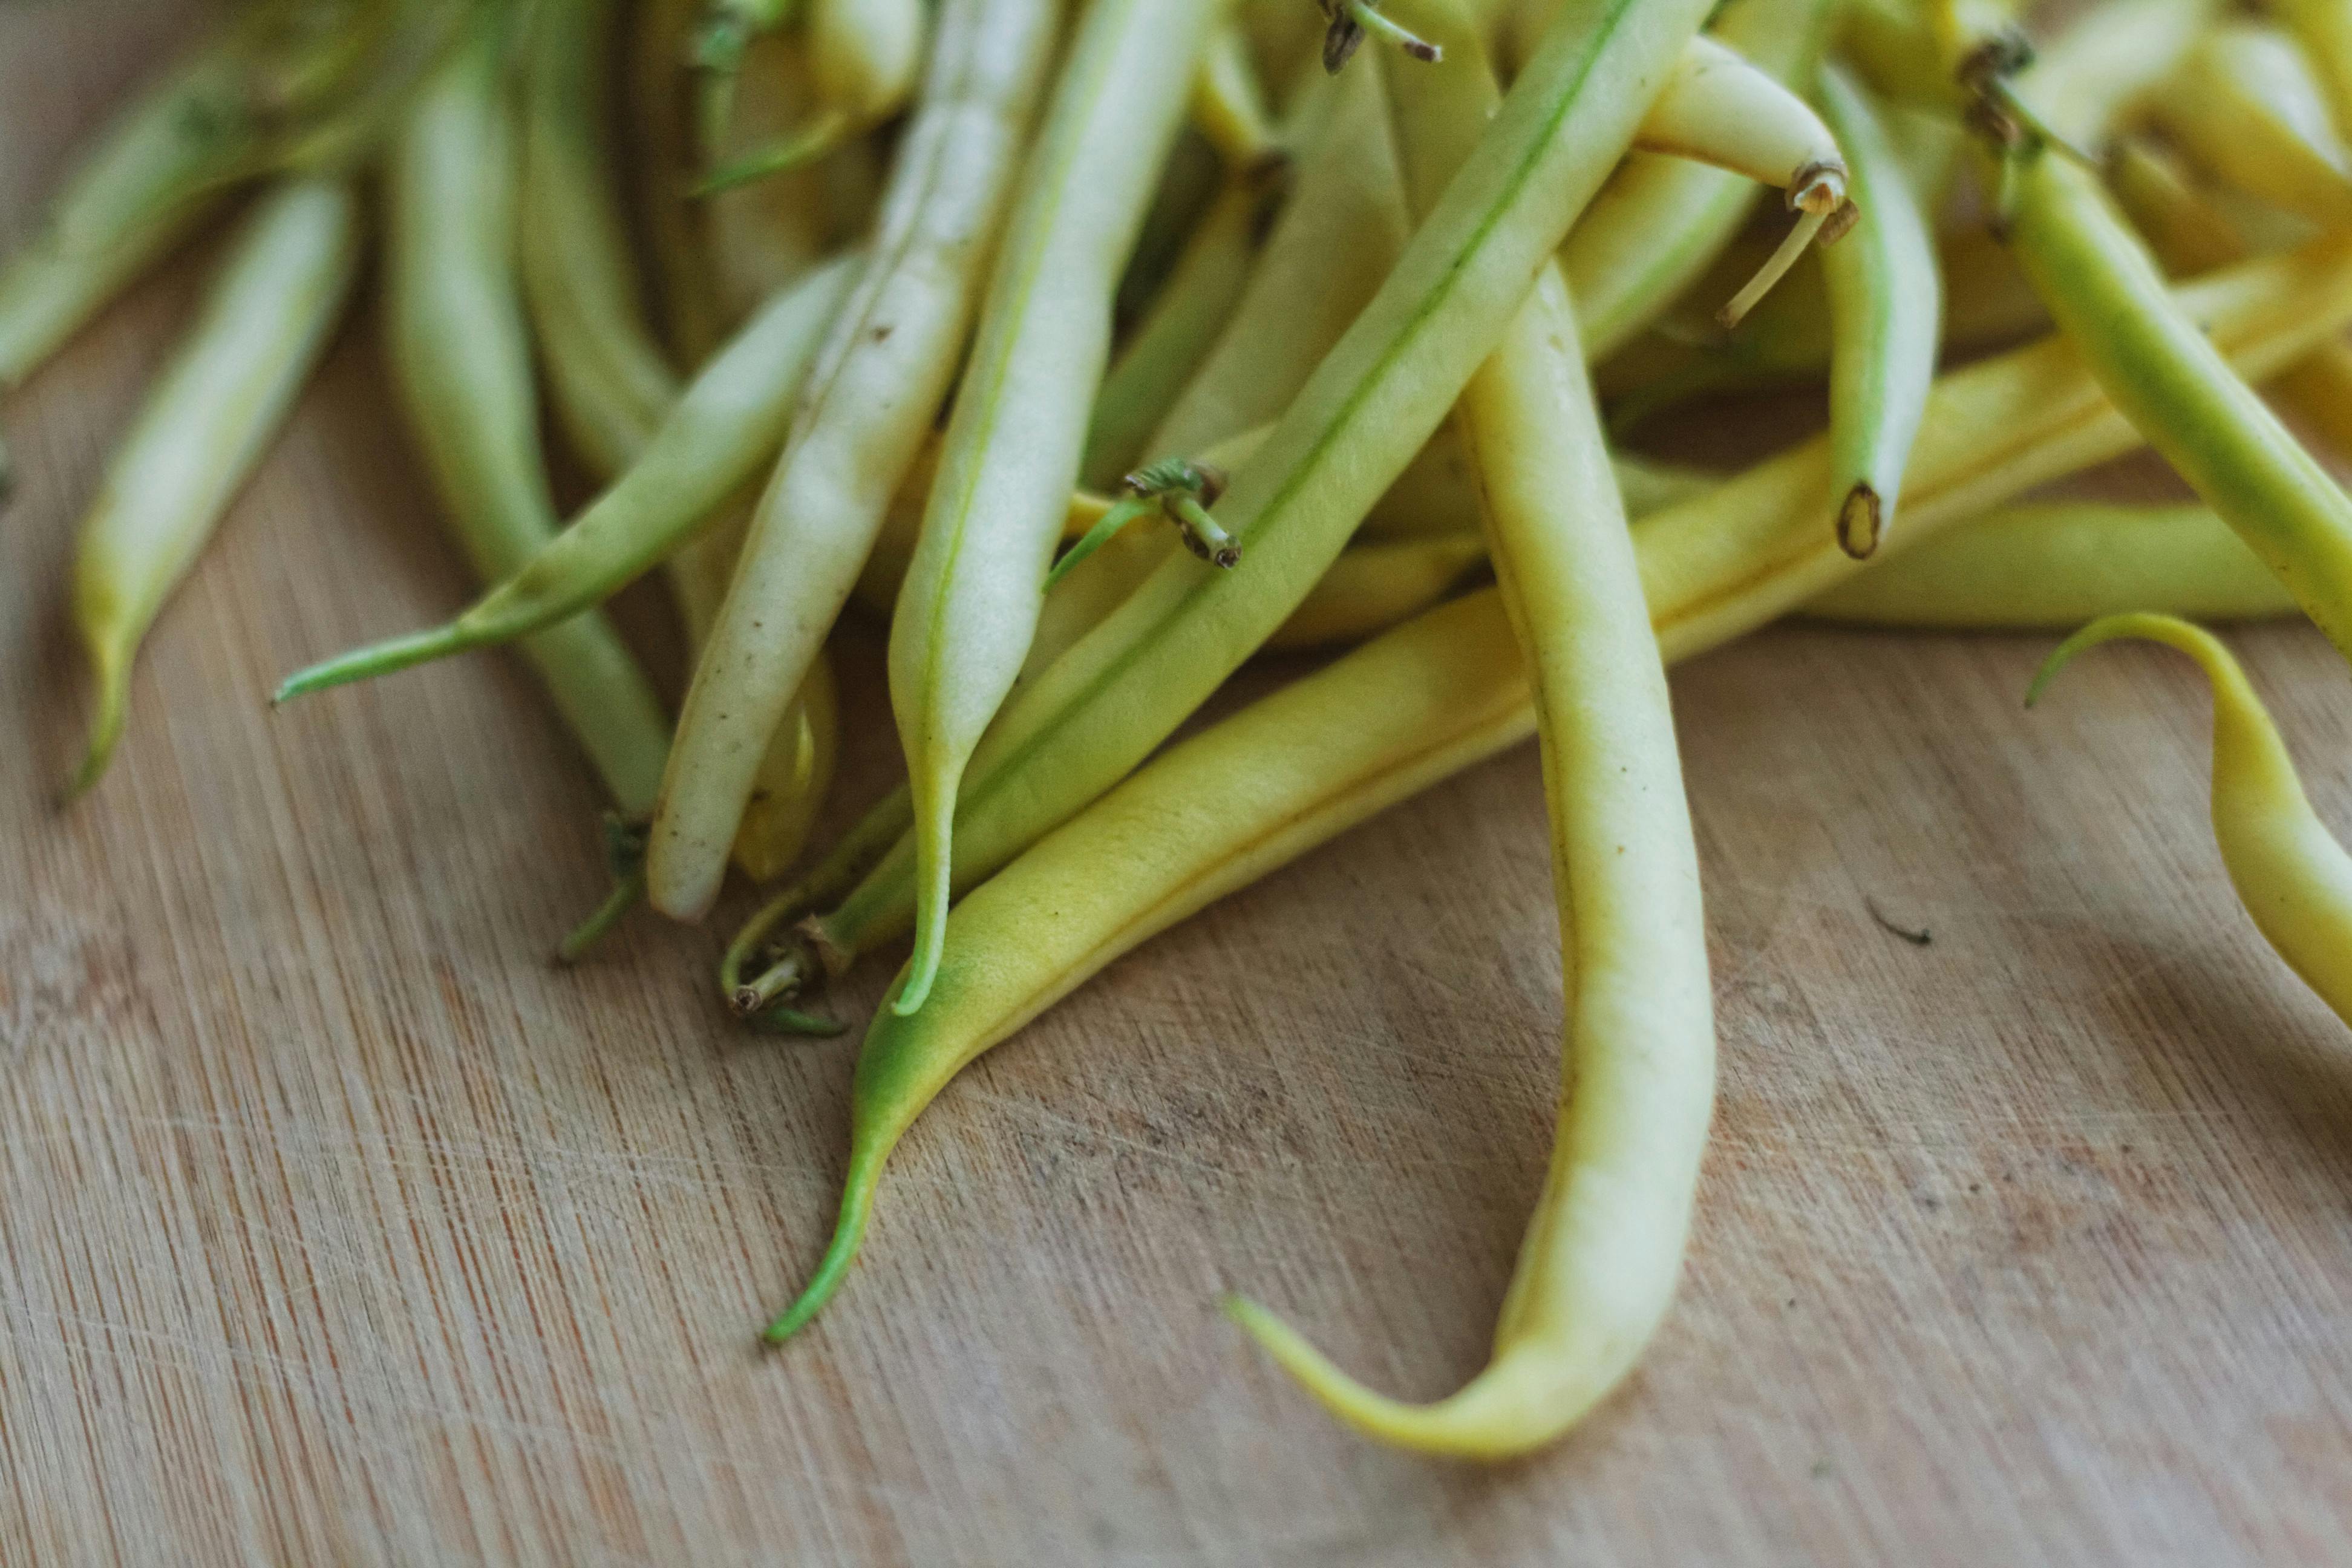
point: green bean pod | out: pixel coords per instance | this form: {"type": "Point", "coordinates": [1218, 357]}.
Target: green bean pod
{"type": "Point", "coordinates": [2292, 875]}
{"type": "Point", "coordinates": [1886, 307]}
{"type": "Point", "coordinates": [1718, 108]}
{"type": "Point", "coordinates": [461, 359]}
{"type": "Point", "coordinates": [2190, 236]}
{"type": "Point", "coordinates": [2244, 106]}
{"type": "Point", "coordinates": [729, 421]}
{"type": "Point", "coordinates": [205, 425]}
{"type": "Point", "coordinates": [969, 604]}
{"type": "Point", "coordinates": [2105, 293]}
{"type": "Point", "coordinates": [2055, 565]}
{"type": "Point", "coordinates": [608, 382]}
{"type": "Point", "coordinates": [168, 161]}
{"type": "Point", "coordinates": [863, 419]}
{"type": "Point", "coordinates": [1098, 711]}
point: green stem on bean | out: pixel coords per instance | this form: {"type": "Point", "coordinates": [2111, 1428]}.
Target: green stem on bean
{"type": "Point", "coordinates": [1352, 20]}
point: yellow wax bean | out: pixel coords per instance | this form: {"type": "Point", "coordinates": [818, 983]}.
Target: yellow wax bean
{"type": "Point", "coordinates": [2292, 875]}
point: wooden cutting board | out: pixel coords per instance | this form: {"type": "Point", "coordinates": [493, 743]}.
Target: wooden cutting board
{"type": "Point", "coordinates": [336, 1227]}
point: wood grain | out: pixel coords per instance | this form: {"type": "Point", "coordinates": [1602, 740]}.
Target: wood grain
{"type": "Point", "coordinates": [338, 1227]}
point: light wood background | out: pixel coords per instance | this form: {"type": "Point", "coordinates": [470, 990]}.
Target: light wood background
{"type": "Point", "coordinates": [335, 1226]}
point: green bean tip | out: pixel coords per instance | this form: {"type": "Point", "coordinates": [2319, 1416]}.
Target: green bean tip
{"type": "Point", "coordinates": [105, 729]}
{"type": "Point", "coordinates": [2060, 657]}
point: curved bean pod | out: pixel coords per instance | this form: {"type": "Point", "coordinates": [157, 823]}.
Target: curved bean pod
{"type": "Point", "coordinates": [1716, 108]}
{"type": "Point", "coordinates": [1213, 814]}
{"type": "Point", "coordinates": [2292, 875]}
{"type": "Point", "coordinates": [265, 321]}
{"type": "Point", "coordinates": [861, 419]}
{"type": "Point", "coordinates": [1604, 1248]}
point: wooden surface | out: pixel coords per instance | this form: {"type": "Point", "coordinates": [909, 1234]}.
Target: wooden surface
{"type": "Point", "coordinates": [337, 1227]}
